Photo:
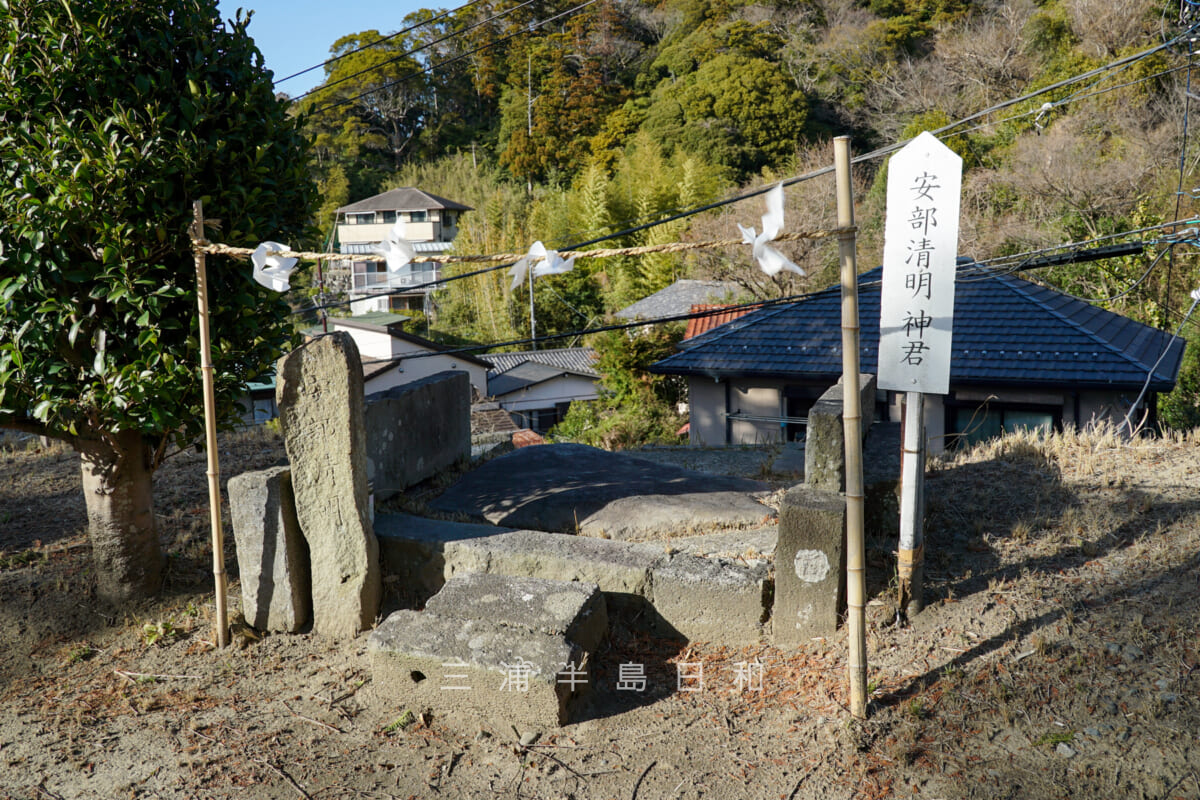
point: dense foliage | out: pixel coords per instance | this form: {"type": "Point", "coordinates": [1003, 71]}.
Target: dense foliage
{"type": "Point", "coordinates": [114, 117]}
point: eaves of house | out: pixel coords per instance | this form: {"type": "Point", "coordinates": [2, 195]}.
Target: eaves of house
{"type": "Point", "coordinates": [1007, 332]}
{"type": "Point", "coordinates": [402, 199]}
{"type": "Point", "coordinates": [527, 375]}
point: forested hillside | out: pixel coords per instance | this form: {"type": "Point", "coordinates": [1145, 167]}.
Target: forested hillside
{"type": "Point", "coordinates": [565, 123]}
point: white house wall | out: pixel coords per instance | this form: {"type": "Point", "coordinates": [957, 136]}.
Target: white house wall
{"type": "Point", "coordinates": [414, 369]}
{"type": "Point", "coordinates": [547, 394]}
{"type": "Point", "coordinates": [371, 344]}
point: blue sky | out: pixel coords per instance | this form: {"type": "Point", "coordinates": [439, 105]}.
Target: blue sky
{"type": "Point", "coordinates": [296, 34]}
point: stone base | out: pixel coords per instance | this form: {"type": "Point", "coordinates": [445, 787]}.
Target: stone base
{"type": "Point", "coordinates": [710, 600]}
{"type": "Point", "coordinates": [810, 565]}
{"type": "Point", "coordinates": [510, 651]}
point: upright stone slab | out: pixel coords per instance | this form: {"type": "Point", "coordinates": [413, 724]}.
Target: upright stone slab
{"type": "Point", "coordinates": [825, 436]}
{"type": "Point", "coordinates": [320, 397]}
{"type": "Point", "coordinates": [810, 565]}
{"type": "Point", "coordinates": [416, 430]}
{"type": "Point", "coordinates": [271, 552]}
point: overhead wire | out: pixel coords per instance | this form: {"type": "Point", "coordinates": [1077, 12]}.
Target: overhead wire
{"type": "Point", "coordinates": [378, 42]}
{"type": "Point", "coordinates": [1187, 108]}
{"type": "Point", "coordinates": [526, 30]}
{"type": "Point", "coordinates": [1166, 349]}
{"type": "Point", "coordinates": [374, 67]}
{"type": "Point", "coordinates": [874, 154]}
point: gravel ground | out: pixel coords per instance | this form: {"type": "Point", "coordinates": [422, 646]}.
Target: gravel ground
{"type": "Point", "coordinates": [1056, 657]}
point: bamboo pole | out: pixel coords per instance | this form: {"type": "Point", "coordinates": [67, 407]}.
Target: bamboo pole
{"type": "Point", "coordinates": [852, 423]}
{"type": "Point", "coordinates": [911, 557]}
{"type": "Point", "coordinates": [210, 431]}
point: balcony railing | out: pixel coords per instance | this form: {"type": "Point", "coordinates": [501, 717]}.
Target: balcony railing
{"type": "Point", "coordinates": [372, 282]}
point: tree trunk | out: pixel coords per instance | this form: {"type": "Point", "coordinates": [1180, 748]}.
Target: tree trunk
{"type": "Point", "coordinates": [117, 477]}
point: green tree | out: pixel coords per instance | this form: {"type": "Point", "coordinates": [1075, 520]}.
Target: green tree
{"type": "Point", "coordinates": [116, 116]}
{"type": "Point", "coordinates": [736, 111]}
{"type": "Point", "coordinates": [635, 407]}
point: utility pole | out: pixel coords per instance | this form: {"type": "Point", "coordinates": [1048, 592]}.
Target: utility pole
{"type": "Point", "coordinates": [529, 125]}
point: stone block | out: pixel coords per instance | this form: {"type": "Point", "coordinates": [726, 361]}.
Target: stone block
{"type": "Point", "coordinates": [271, 552]}
{"type": "Point", "coordinates": [810, 565]}
{"type": "Point", "coordinates": [824, 440]}
{"type": "Point", "coordinates": [750, 547]}
{"type": "Point", "coordinates": [412, 550]}
{"type": "Point", "coordinates": [320, 398]}
{"type": "Point", "coordinates": [416, 430]}
{"type": "Point", "coordinates": [573, 488]}
{"type": "Point", "coordinates": [558, 608]}
{"type": "Point", "coordinates": [620, 569]}
{"type": "Point", "coordinates": [710, 600]}
{"type": "Point", "coordinates": [477, 668]}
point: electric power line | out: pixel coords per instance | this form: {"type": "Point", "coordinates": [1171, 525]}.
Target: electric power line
{"type": "Point", "coordinates": [377, 42]}
{"type": "Point", "coordinates": [455, 59]}
{"type": "Point", "coordinates": [877, 153]}
{"type": "Point", "coordinates": [408, 53]}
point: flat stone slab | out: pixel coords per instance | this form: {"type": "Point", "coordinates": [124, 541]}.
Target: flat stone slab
{"type": "Point", "coordinates": [491, 672]}
{"type": "Point", "coordinates": [751, 547]}
{"type": "Point", "coordinates": [707, 599]}
{"type": "Point", "coordinates": [412, 548]}
{"type": "Point", "coordinates": [515, 650]}
{"type": "Point", "coordinates": [618, 568]}
{"type": "Point", "coordinates": [571, 488]}
{"type": "Point", "coordinates": [710, 600]}
{"type": "Point", "coordinates": [558, 608]}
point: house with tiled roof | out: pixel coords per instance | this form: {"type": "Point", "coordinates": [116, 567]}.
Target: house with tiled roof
{"type": "Point", "coordinates": [678, 298]}
{"type": "Point", "coordinates": [1023, 355]}
{"type": "Point", "coordinates": [391, 357]}
{"type": "Point", "coordinates": [430, 224]}
{"type": "Point", "coordinates": [537, 387]}
{"type": "Point", "coordinates": [713, 315]}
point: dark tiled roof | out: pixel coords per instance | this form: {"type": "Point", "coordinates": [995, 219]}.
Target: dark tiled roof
{"type": "Point", "coordinates": [405, 198]}
{"type": "Point", "coordinates": [1007, 331]}
{"type": "Point", "coordinates": [574, 359]}
{"type": "Point", "coordinates": [678, 298]}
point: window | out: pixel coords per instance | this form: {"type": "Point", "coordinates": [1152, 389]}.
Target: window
{"type": "Point", "coordinates": [366, 218]}
{"type": "Point", "coordinates": [970, 423]}
{"type": "Point", "coordinates": [418, 216]}
{"type": "Point", "coordinates": [388, 217]}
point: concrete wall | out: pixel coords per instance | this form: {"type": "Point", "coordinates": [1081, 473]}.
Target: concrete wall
{"type": "Point", "coordinates": [706, 403]}
{"type": "Point", "coordinates": [416, 430]}
{"type": "Point", "coordinates": [709, 401]}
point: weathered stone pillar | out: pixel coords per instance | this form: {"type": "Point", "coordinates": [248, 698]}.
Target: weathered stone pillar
{"type": "Point", "coordinates": [825, 438]}
{"type": "Point", "coordinates": [271, 552]}
{"type": "Point", "coordinates": [320, 397]}
{"type": "Point", "coordinates": [810, 565]}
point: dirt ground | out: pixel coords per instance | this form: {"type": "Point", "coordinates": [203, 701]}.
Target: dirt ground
{"type": "Point", "coordinates": [1057, 657]}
